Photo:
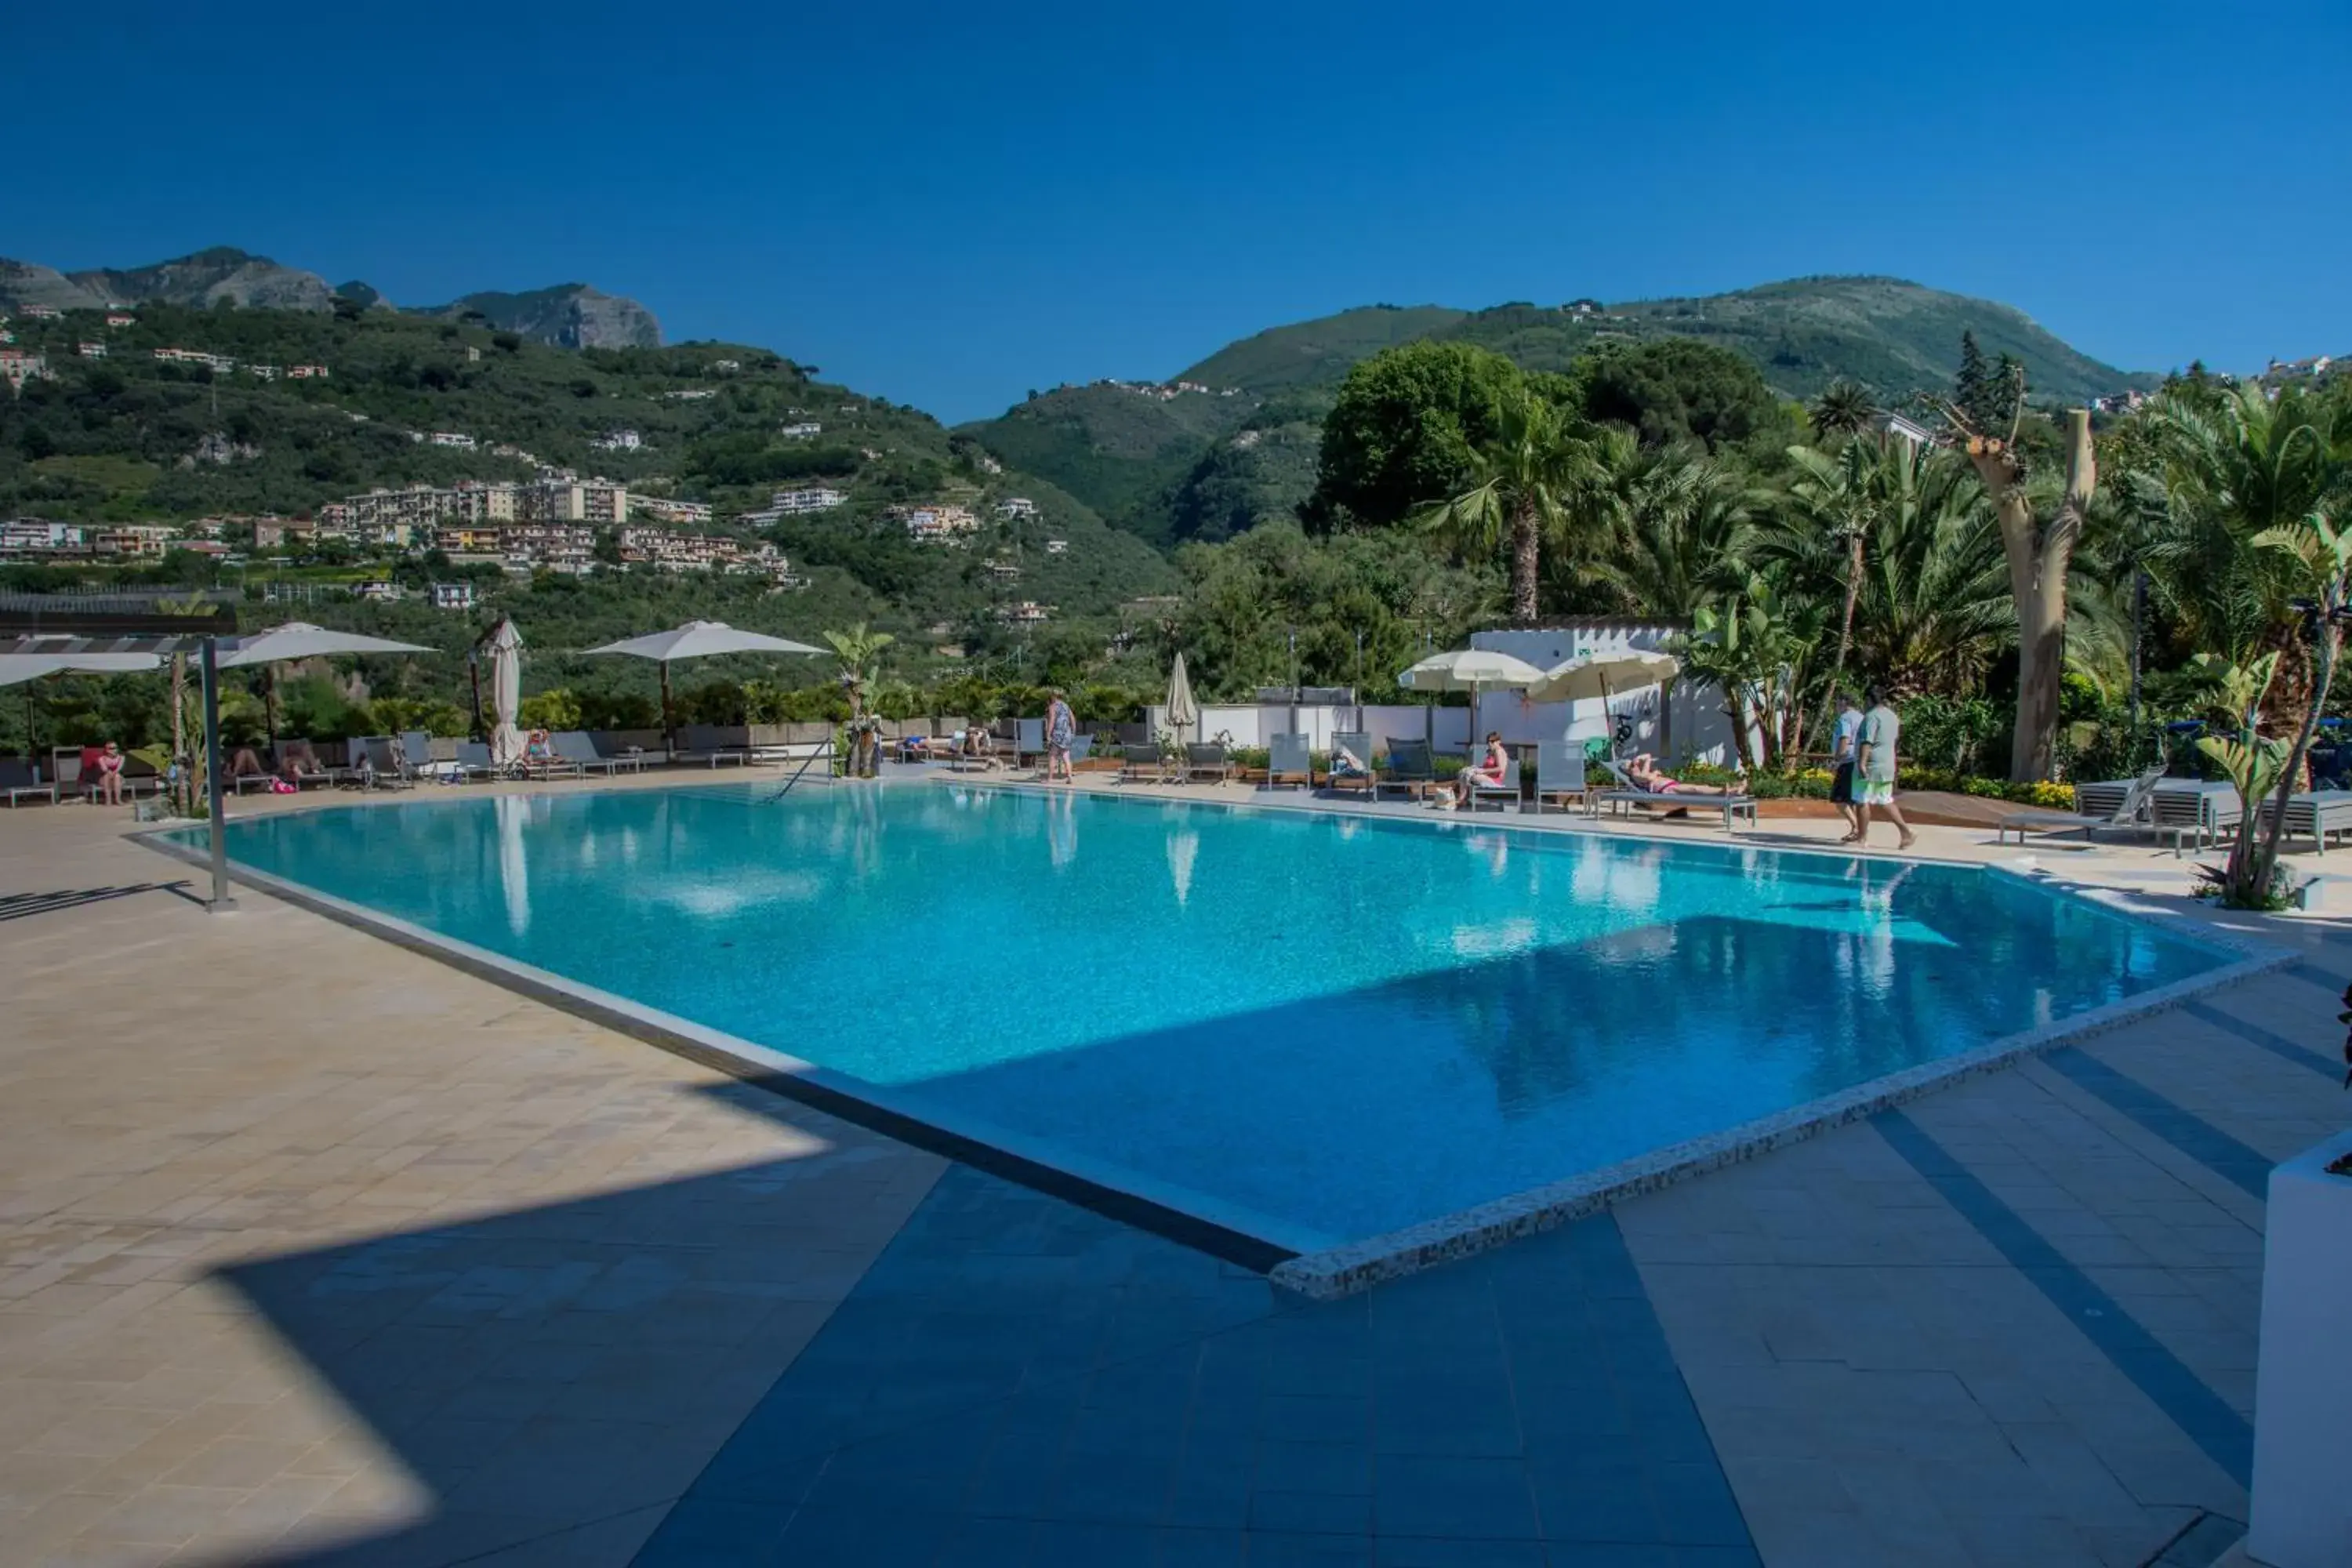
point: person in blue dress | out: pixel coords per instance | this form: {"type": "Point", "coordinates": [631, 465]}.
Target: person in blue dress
{"type": "Point", "coordinates": [1061, 734]}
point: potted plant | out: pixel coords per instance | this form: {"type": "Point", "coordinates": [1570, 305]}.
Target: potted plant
{"type": "Point", "coordinates": [2302, 1381]}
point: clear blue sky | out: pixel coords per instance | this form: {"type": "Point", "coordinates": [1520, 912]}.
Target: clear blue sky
{"type": "Point", "coordinates": [949, 206]}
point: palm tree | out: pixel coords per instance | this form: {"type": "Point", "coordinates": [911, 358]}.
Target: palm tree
{"type": "Point", "coordinates": [1844, 408]}
{"type": "Point", "coordinates": [1834, 502]}
{"type": "Point", "coordinates": [1683, 546]}
{"type": "Point", "coordinates": [858, 654]}
{"type": "Point", "coordinates": [184, 783]}
{"type": "Point", "coordinates": [1521, 482]}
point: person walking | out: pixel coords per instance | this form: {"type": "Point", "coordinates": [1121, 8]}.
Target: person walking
{"type": "Point", "coordinates": [1875, 761]}
{"type": "Point", "coordinates": [1844, 740]}
{"type": "Point", "coordinates": [1061, 734]}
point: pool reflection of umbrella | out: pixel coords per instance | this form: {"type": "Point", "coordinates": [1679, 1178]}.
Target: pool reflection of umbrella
{"type": "Point", "coordinates": [514, 860]}
{"type": "Point", "coordinates": [1182, 708]}
{"type": "Point", "coordinates": [1183, 848]}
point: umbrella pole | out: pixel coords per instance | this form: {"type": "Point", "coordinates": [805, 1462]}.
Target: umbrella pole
{"type": "Point", "coordinates": [218, 812]}
{"type": "Point", "coordinates": [669, 730]}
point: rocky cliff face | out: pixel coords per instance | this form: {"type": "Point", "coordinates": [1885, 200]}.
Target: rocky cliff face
{"type": "Point", "coordinates": [209, 277]}
{"type": "Point", "coordinates": [569, 315]}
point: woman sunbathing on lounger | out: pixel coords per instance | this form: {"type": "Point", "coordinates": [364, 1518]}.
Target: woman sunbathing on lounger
{"type": "Point", "coordinates": [1643, 769]}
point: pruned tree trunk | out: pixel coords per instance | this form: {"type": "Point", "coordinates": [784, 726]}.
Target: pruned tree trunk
{"type": "Point", "coordinates": [2039, 556]}
{"type": "Point", "coordinates": [182, 799]}
{"type": "Point", "coordinates": [1527, 559]}
{"type": "Point", "coordinates": [2252, 881]}
{"type": "Point", "coordinates": [1845, 629]}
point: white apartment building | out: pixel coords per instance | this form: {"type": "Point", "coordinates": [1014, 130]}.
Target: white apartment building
{"type": "Point", "coordinates": [452, 595]}
{"type": "Point", "coordinates": [29, 536]}
{"type": "Point", "coordinates": [1057, 547]}
{"type": "Point", "coordinates": [91, 350]}
{"type": "Point", "coordinates": [559, 547]}
{"type": "Point", "coordinates": [663, 508]}
{"type": "Point", "coordinates": [618, 441]}
{"type": "Point", "coordinates": [220, 364]}
{"type": "Point", "coordinates": [120, 319]}
{"type": "Point", "coordinates": [801, 429]}
{"type": "Point", "coordinates": [457, 438]}
{"type": "Point", "coordinates": [1016, 506]}
{"type": "Point", "coordinates": [1027, 613]}
{"type": "Point", "coordinates": [44, 312]}
{"type": "Point", "coordinates": [578, 500]}
{"type": "Point", "coordinates": [306, 372]}
{"type": "Point", "coordinates": [262, 372]}
{"type": "Point", "coordinates": [808, 497]}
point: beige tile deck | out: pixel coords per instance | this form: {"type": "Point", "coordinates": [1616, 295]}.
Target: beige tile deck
{"type": "Point", "coordinates": [185, 1098]}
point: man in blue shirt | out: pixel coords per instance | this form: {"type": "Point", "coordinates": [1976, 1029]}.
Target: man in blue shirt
{"type": "Point", "coordinates": [1842, 742]}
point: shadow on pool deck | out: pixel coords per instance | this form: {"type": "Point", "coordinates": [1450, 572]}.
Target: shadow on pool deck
{"type": "Point", "coordinates": [1015, 1379]}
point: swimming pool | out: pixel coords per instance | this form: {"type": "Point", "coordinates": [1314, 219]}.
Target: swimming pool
{"type": "Point", "coordinates": [1313, 1027]}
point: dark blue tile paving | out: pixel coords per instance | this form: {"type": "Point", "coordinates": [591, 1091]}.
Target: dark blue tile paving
{"type": "Point", "coordinates": [2254, 1034]}
{"type": "Point", "coordinates": [2247, 1168]}
{"type": "Point", "coordinates": [1017, 1380]}
{"type": "Point", "coordinates": [2208, 1419]}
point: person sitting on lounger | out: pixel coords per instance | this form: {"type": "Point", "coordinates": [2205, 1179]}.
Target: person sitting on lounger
{"type": "Point", "coordinates": [1643, 769]}
{"type": "Point", "coordinates": [1485, 772]}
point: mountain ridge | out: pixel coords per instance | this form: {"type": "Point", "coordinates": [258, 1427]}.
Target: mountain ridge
{"type": "Point", "coordinates": [1141, 453]}
{"type": "Point", "coordinates": [567, 315]}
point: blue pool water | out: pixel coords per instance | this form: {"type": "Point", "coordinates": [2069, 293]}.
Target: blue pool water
{"type": "Point", "coordinates": [1337, 1026]}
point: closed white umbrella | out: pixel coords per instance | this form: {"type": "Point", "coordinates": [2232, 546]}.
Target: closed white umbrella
{"type": "Point", "coordinates": [697, 639]}
{"type": "Point", "coordinates": [1182, 708]}
{"type": "Point", "coordinates": [299, 639]}
{"type": "Point", "coordinates": [506, 692]}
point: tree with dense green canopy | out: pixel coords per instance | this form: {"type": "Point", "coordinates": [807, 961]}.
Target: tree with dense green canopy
{"type": "Point", "coordinates": [1404, 429]}
{"type": "Point", "coordinates": [1674, 389]}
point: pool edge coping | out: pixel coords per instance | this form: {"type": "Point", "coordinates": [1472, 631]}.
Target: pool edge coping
{"type": "Point", "coordinates": [1244, 1238]}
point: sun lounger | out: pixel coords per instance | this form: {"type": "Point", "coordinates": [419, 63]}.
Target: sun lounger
{"type": "Point", "coordinates": [1411, 768]}
{"type": "Point", "coordinates": [1082, 748]}
{"type": "Point", "coordinates": [1207, 758]}
{"type": "Point", "coordinates": [474, 761]}
{"type": "Point", "coordinates": [18, 782]}
{"type": "Point", "coordinates": [1559, 772]}
{"type": "Point", "coordinates": [704, 744]}
{"type": "Point", "coordinates": [302, 758]}
{"type": "Point", "coordinates": [1144, 762]}
{"type": "Point", "coordinates": [2207, 807]}
{"type": "Point", "coordinates": [384, 768]}
{"type": "Point", "coordinates": [1507, 791]}
{"type": "Point", "coordinates": [1028, 739]}
{"type": "Point", "coordinates": [784, 752]}
{"type": "Point", "coordinates": [1628, 795]}
{"type": "Point", "coordinates": [2312, 814]}
{"type": "Point", "coordinates": [573, 748]}
{"type": "Point", "coordinates": [1339, 774]}
{"type": "Point", "coordinates": [2125, 804]}
{"type": "Point", "coordinates": [1287, 758]}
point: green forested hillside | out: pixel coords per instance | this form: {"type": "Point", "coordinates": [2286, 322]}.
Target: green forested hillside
{"type": "Point", "coordinates": [1162, 469]}
{"type": "Point", "coordinates": [126, 438]}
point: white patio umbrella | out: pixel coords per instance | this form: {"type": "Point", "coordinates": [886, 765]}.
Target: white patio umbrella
{"type": "Point", "coordinates": [18, 668]}
{"type": "Point", "coordinates": [505, 645]}
{"type": "Point", "coordinates": [299, 639]}
{"type": "Point", "coordinates": [1476, 670]}
{"type": "Point", "coordinates": [697, 639]}
{"type": "Point", "coordinates": [1182, 708]}
{"type": "Point", "coordinates": [1604, 674]}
